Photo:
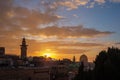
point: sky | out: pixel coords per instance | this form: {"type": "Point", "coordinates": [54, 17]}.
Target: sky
{"type": "Point", "coordinates": [60, 28]}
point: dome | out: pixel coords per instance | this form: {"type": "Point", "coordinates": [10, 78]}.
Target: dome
{"type": "Point", "coordinates": [83, 58]}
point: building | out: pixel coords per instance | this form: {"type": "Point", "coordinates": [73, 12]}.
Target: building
{"type": "Point", "coordinates": [26, 73]}
{"type": "Point", "coordinates": [87, 65]}
{"type": "Point", "coordinates": [23, 49]}
{"type": "Point", "coordinates": [74, 60]}
{"type": "Point", "coordinates": [83, 58]}
{"type": "Point", "coordinates": [59, 72]}
{"type": "Point", "coordinates": [2, 51]}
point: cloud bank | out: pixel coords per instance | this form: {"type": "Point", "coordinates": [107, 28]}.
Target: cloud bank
{"type": "Point", "coordinates": [72, 31]}
{"type": "Point", "coordinates": [18, 16]}
{"type": "Point", "coordinates": [75, 4]}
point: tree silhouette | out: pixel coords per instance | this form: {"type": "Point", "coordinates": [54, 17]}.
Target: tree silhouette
{"type": "Point", "coordinates": [107, 67]}
{"type": "Point", "coordinates": [107, 64]}
{"type": "Point", "coordinates": [80, 75]}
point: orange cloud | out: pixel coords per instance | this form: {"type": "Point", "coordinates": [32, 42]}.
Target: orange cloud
{"type": "Point", "coordinates": [100, 1]}
{"type": "Point", "coordinates": [70, 4]}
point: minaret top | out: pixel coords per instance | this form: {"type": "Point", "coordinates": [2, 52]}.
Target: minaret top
{"type": "Point", "coordinates": [23, 42]}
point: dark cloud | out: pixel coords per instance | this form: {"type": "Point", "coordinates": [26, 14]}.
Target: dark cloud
{"type": "Point", "coordinates": [72, 31]}
{"type": "Point", "coordinates": [117, 43]}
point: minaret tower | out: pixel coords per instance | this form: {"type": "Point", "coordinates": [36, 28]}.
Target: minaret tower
{"type": "Point", "coordinates": [23, 49]}
{"type": "Point", "coordinates": [74, 60]}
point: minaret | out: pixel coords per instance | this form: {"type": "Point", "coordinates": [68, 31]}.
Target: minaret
{"type": "Point", "coordinates": [23, 49]}
{"type": "Point", "coordinates": [74, 60]}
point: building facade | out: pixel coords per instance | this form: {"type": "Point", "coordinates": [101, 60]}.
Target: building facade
{"type": "Point", "coordinates": [2, 51]}
{"type": "Point", "coordinates": [23, 49]}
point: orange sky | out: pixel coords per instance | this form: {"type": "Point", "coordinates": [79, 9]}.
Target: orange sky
{"type": "Point", "coordinates": [56, 49]}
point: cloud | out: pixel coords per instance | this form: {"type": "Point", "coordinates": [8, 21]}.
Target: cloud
{"type": "Point", "coordinates": [52, 32]}
{"type": "Point", "coordinates": [75, 4]}
{"type": "Point", "coordinates": [117, 43]}
{"type": "Point", "coordinates": [68, 44]}
{"type": "Point", "coordinates": [59, 47]}
{"type": "Point", "coordinates": [70, 4]}
{"type": "Point", "coordinates": [116, 1]}
{"type": "Point", "coordinates": [13, 15]}
{"type": "Point", "coordinates": [75, 15]}
{"type": "Point", "coordinates": [64, 47]}
{"type": "Point", "coordinates": [71, 51]}
{"type": "Point", "coordinates": [100, 1]}
{"type": "Point", "coordinates": [72, 32]}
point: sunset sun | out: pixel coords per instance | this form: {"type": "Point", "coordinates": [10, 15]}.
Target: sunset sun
{"type": "Point", "coordinates": [47, 55]}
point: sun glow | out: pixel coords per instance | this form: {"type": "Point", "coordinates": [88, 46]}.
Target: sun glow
{"type": "Point", "coordinates": [48, 53]}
